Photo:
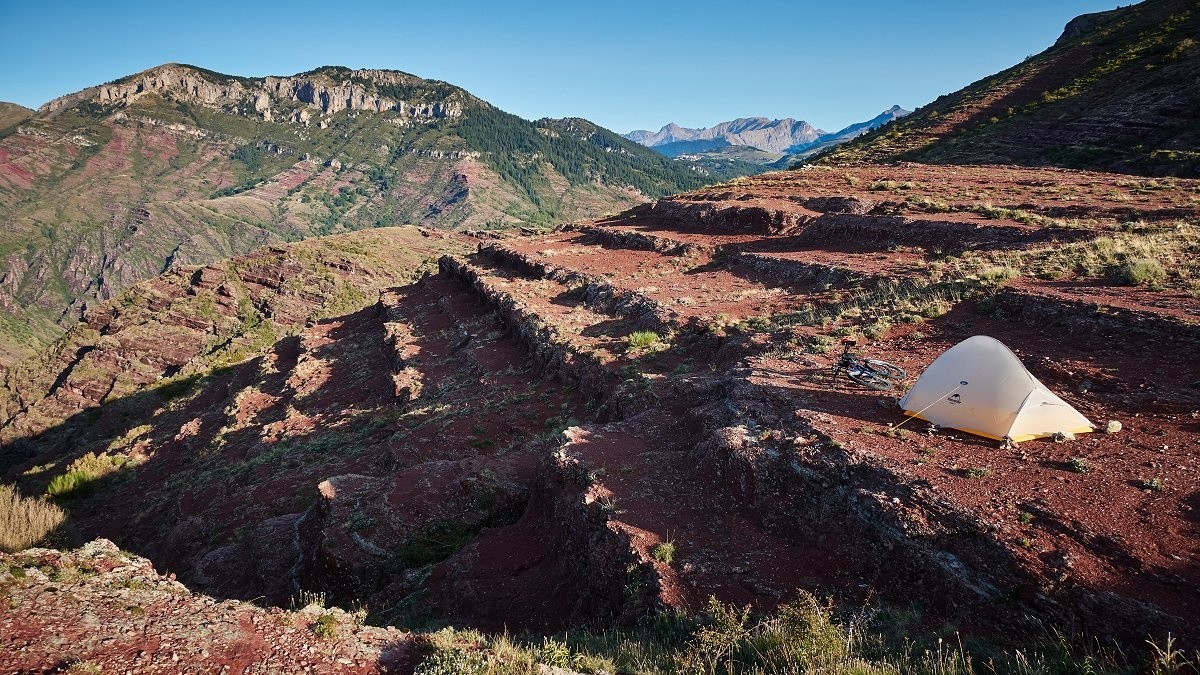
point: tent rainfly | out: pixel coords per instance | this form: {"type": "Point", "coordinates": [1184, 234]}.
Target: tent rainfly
{"type": "Point", "coordinates": [981, 387]}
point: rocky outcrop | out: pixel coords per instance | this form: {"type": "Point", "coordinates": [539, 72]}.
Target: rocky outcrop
{"type": "Point", "coordinates": [599, 294]}
{"type": "Point", "coordinates": [732, 218]}
{"type": "Point", "coordinates": [1084, 24]}
{"type": "Point", "coordinates": [100, 609]}
{"type": "Point", "coordinates": [565, 538]}
{"type": "Point", "coordinates": [641, 240]}
{"type": "Point", "coordinates": [545, 343]}
{"type": "Point", "coordinates": [329, 90]}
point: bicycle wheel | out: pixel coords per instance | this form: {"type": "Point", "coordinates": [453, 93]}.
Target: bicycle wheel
{"type": "Point", "coordinates": [886, 369]}
{"type": "Point", "coordinates": [870, 379]}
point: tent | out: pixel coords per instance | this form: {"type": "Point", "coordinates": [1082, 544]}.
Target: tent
{"type": "Point", "coordinates": [981, 387]}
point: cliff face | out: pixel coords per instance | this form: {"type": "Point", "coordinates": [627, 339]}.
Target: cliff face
{"type": "Point", "coordinates": [328, 90]}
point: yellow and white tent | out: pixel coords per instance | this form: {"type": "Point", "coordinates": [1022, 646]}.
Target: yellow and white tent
{"type": "Point", "coordinates": [981, 387]}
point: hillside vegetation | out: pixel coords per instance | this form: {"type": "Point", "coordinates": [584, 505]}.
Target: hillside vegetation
{"type": "Point", "coordinates": [181, 165]}
{"type": "Point", "coordinates": [1119, 91]}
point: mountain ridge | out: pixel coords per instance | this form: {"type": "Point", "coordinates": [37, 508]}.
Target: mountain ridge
{"type": "Point", "coordinates": [759, 132]}
{"type": "Point", "coordinates": [782, 137]}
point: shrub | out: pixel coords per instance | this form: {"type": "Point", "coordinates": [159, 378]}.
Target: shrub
{"type": "Point", "coordinates": [1079, 465]}
{"type": "Point", "coordinates": [359, 521]}
{"type": "Point", "coordinates": [664, 552]}
{"type": "Point", "coordinates": [453, 662]}
{"type": "Point", "coordinates": [979, 472]}
{"type": "Point", "coordinates": [554, 653]}
{"type": "Point", "coordinates": [1151, 484]}
{"type": "Point", "coordinates": [1141, 272]}
{"type": "Point", "coordinates": [25, 521]}
{"type": "Point", "coordinates": [325, 626]}
{"type": "Point", "coordinates": [878, 328]}
{"type": "Point", "coordinates": [818, 344]}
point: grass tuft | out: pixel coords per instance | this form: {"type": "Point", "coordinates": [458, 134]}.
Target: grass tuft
{"type": "Point", "coordinates": [640, 339]}
{"type": "Point", "coordinates": [26, 521]}
{"type": "Point", "coordinates": [1142, 272]}
{"type": "Point", "coordinates": [664, 552]}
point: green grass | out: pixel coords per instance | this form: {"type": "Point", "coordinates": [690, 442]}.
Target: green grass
{"type": "Point", "coordinates": [1142, 272]}
{"type": "Point", "coordinates": [81, 477]}
{"type": "Point", "coordinates": [641, 339]}
{"type": "Point", "coordinates": [807, 635]}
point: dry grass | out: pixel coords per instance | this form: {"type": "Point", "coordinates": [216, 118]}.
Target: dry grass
{"type": "Point", "coordinates": [25, 521]}
{"type": "Point", "coordinates": [1162, 255]}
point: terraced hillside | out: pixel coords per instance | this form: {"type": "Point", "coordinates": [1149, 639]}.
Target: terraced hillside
{"type": "Point", "coordinates": [634, 415]}
{"type": "Point", "coordinates": [1117, 92]}
{"type": "Point", "coordinates": [179, 165]}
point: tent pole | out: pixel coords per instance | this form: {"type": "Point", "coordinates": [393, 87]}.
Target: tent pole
{"type": "Point", "coordinates": [961, 384]}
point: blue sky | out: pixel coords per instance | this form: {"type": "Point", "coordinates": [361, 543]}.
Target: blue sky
{"type": "Point", "coordinates": [623, 64]}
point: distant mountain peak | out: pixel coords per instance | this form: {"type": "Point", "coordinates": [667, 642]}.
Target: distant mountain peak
{"type": "Point", "coordinates": [771, 135]}
{"type": "Point", "coordinates": [779, 136]}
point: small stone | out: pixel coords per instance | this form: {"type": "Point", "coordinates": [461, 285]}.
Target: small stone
{"type": "Point", "coordinates": [1112, 427]}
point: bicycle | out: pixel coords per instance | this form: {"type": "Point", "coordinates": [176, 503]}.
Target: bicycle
{"type": "Point", "coordinates": [870, 373]}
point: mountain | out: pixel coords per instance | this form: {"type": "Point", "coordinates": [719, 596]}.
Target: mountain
{"type": "Point", "coordinates": [181, 165]}
{"type": "Point", "coordinates": [1119, 90]}
{"type": "Point", "coordinates": [854, 131]}
{"type": "Point", "coordinates": [759, 132]}
{"type": "Point", "coordinates": [752, 145]}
